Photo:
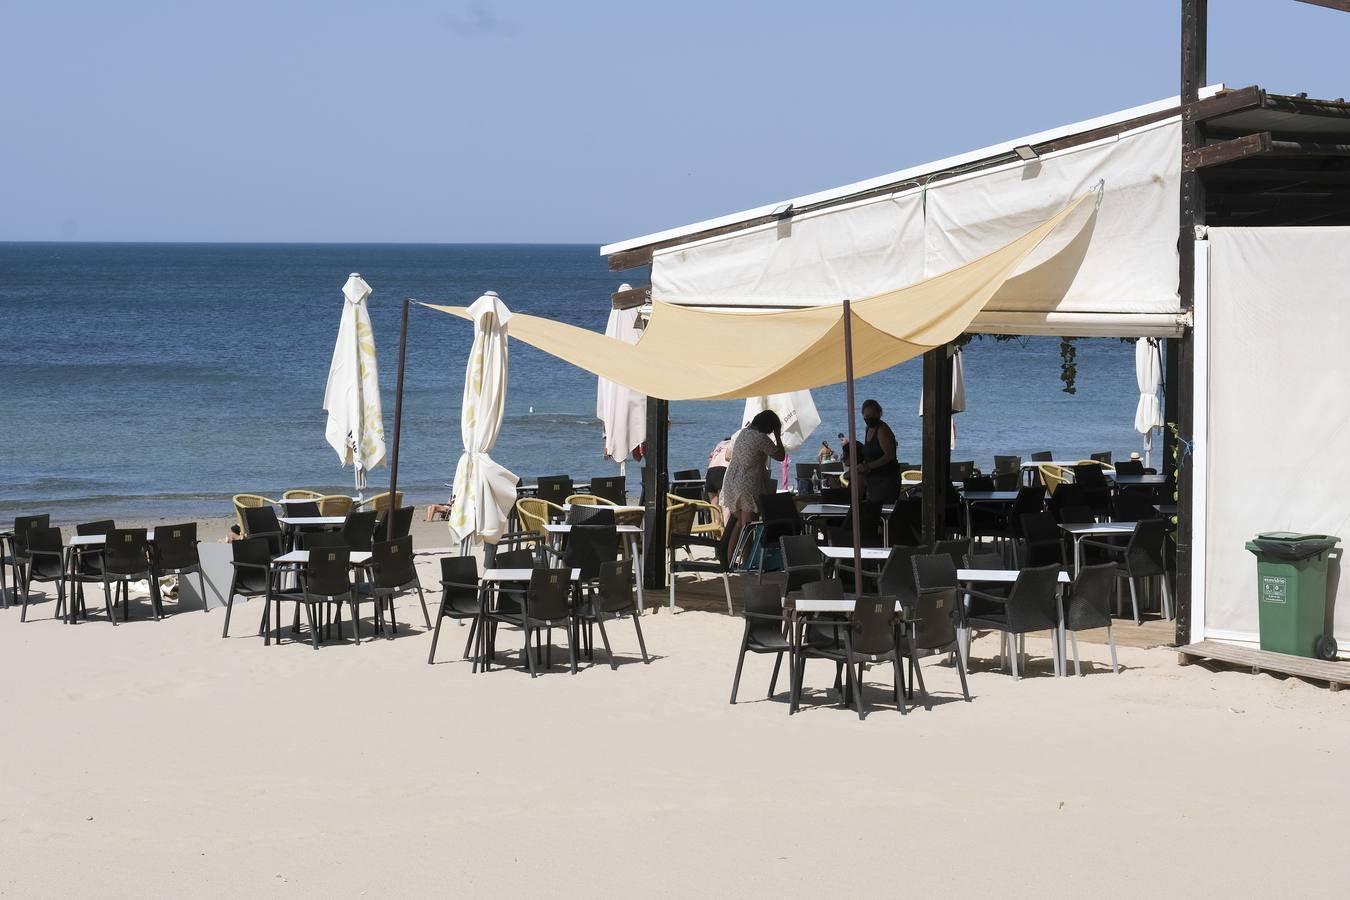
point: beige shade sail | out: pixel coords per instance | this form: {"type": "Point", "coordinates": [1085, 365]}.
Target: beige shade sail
{"type": "Point", "coordinates": [689, 353]}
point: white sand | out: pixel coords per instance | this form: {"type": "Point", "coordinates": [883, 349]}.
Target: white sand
{"type": "Point", "coordinates": [156, 758]}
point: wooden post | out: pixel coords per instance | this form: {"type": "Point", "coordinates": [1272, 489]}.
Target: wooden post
{"type": "Point", "coordinates": [398, 419]}
{"type": "Point", "coordinates": [1194, 39]}
{"type": "Point", "coordinates": [855, 471]}
{"type": "Point", "coordinates": [655, 483]}
{"type": "Point", "coordinates": [937, 441]}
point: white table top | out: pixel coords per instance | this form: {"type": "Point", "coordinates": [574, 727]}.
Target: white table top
{"type": "Point", "coordinates": [358, 557]}
{"type": "Point", "coordinates": [565, 527]}
{"type": "Point", "coordinates": [869, 553]}
{"type": "Point", "coordinates": [617, 509]}
{"type": "Point", "coordinates": [1000, 576]}
{"type": "Point", "coordinates": [836, 509]}
{"type": "Point", "coordinates": [686, 481]}
{"type": "Point", "coordinates": [284, 501]}
{"type": "Point", "coordinates": [578, 487]}
{"type": "Point", "coordinates": [98, 540]}
{"type": "Point", "coordinates": [825, 606]}
{"type": "Point", "coordinates": [989, 496]}
{"type": "Point", "coordinates": [1140, 479]}
{"type": "Point", "coordinates": [1100, 528]}
{"type": "Point", "coordinates": [310, 521]}
{"type": "Point", "coordinates": [515, 574]}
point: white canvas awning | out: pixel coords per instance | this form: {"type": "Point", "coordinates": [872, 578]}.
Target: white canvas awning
{"type": "Point", "coordinates": [1113, 274]}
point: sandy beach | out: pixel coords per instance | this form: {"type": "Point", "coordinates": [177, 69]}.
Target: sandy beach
{"type": "Point", "coordinates": [157, 758]}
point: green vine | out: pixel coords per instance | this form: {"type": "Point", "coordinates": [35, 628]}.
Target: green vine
{"type": "Point", "coordinates": [1068, 365]}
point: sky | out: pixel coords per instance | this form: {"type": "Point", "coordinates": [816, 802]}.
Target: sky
{"type": "Point", "coordinates": [531, 121]}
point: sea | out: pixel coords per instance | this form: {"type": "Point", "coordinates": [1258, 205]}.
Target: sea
{"type": "Point", "coordinates": [156, 380]}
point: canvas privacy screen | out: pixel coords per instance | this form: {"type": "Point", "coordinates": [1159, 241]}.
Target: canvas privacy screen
{"type": "Point", "coordinates": [1279, 434]}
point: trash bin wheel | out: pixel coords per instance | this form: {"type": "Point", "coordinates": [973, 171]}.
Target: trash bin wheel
{"type": "Point", "coordinates": [1326, 648]}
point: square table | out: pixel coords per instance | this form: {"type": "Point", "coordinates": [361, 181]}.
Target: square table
{"type": "Point", "coordinates": [987, 498]}
{"type": "Point", "coordinates": [1097, 529]}
{"type": "Point", "coordinates": [1140, 480]}
{"type": "Point", "coordinates": [312, 521]}
{"type": "Point", "coordinates": [840, 510]}
{"type": "Point", "coordinates": [494, 578]}
{"type": "Point", "coordinates": [632, 532]}
{"type": "Point", "coordinates": [1008, 576]}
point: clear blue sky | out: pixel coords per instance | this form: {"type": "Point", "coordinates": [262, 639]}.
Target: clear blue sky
{"type": "Point", "coordinates": [524, 120]}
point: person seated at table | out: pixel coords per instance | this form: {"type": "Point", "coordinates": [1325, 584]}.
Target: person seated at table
{"type": "Point", "coordinates": [748, 470]}
{"type": "Point", "coordinates": [880, 469]}
{"type": "Point", "coordinates": [440, 510]}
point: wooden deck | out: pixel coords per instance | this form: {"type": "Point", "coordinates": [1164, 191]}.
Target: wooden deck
{"type": "Point", "coordinates": [704, 593]}
{"type": "Point", "coordinates": [1334, 674]}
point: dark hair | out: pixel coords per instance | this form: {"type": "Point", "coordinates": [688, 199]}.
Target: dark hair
{"type": "Point", "coordinates": [867, 403]}
{"type": "Point", "coordinates": [766, 421]}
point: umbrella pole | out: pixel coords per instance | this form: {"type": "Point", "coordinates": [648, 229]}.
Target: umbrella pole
{"type": "Point", "coordinates": [855, 473]}
{"type": "Point", "coordinates": [398, 420]}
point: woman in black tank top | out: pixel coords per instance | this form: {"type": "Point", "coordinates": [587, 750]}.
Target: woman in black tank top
{"type": "Point", "coordinates": [881, 470]}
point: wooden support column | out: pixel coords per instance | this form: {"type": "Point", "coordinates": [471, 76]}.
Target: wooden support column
{"type": "Point", "coordinates": [937, 441]}
{"type": "Point", "coordinates": [655, 483]}
{"type": "Point", "coordinates": [1194, 35]}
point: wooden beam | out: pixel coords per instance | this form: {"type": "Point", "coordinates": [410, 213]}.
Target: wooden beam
{"type": "Point", "coordinates": [630, 259]}
{"type": "Point", "coordinates": [631, 298]}
{"type": "Point", "coordinates": [1342, 5]}
{"type": "Point", "coordinates": [1226, 151]}
{"type": "Point", "coordinates": [1251, 97]}
{"type": "Point", "coordinates": [937, 442]}
{"type": "Point", "coordinates": [1194, 43]}
{"type": "Point", "coordinates": [655, 483]}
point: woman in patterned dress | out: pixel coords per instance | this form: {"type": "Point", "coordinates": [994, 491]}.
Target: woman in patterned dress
{"type": "Point", "coordinates": [748, 468]}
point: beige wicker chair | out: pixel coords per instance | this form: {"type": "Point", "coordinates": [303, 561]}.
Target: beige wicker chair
{"type": "Point", "coordinates": [248, 501]}
{"type": "Point", "coordinates": [535, 514]}
{"type": "Point", "coordinates": [710, 528]}
{"type": "Point", "coordinates": [380, 503]}
{"type": "Point", "coordinates": [588, 500]}
{"type": "Point", "coordinates": [300, 494]}
{"type": "Point", "coordinates": [335, 505]}
{"type": "Point", "coordinates": [1052, 476]}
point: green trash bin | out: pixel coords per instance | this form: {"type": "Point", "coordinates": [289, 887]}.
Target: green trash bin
{"type": "Point", "coordinates": [1291, 588]}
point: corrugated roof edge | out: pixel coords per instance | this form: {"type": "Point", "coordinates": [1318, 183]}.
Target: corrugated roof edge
{"type": "Point", "coordinates": [906, 174]}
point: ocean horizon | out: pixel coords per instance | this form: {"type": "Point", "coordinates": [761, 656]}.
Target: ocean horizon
{"type": "Point", "coordinates": [149, 380]}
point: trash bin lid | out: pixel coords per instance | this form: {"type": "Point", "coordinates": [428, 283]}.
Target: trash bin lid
{"type": "Point", "coordinates": [1292, 545]}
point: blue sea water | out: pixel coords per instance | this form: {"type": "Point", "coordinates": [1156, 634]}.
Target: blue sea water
{"type": "Point", "coordinates": [159, 379]}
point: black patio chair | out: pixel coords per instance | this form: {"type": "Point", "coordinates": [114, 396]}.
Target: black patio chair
{"type": "Point", "coordinates": [765, 630]}
{"type": "Point", "coordinates": [1007, 464]}
{"type": "Point", "coordinates": [1096, 491]}
{"type": "Point", "coordinates": [392, 573]}
{"type": "Point", "coordinates": [839, 496]}
{"type": "Point", "coordinates": [1042, 541]}
{"type": "Point", "coordinates": [872, 637]}
{"type": "Point", "coordinates": [555, 489]}
{"type": "Point", "coordinates": [1089, 606]}
{"type": "Point", "coordinates": [778, 516]}
{"type": "Point", "coordinates": [613, 488]}
{"type": "Point", "coordinates": [956, 550]}
{"type": "Point", "coordinates": [905, 525]}
{"type": "Point", "coordinates": [808, 476]}
{"type": "Point", "coordinates": [689, 491]}
{"type": "Point", "coordinates": [897, 575]}
{"type": "Point", "coordinates": [1042, 456]}
{"type": "Point", "coordinates": [46, 557]}
{"type": "Point", "coordinates": [1066, 495]}
{"type": "Point", "coordinates": [358, 530]}
{"type": "Point", "coordinates": [261, 522]}
{"type": "Point", "coordinates": [1103, 457]}
{"type": "Point", "coordinates": [1132, 506]}
{"type": "Point", "coordinates": [175, 553]}
{"type": "Point", "coordinates": [1132, 467]}
{"type": "Point", "coordinates": [326, 580]}
{"type": "Point", "coordinates": [583, 514]}
{"type": "Point", "coordinates": [461, 598]}
{"type": "Point", "coordinates": [18, 557]}
{"type": "Point", "coordinates": [252, 575]}
{"type": "Point", "coordinates": [936, 627]}
{"type": "Point", "coordinates": [802, 561]}
{"type": "Point", "coordinates": [126, 558]}
{"type": "Point", "coordinates": [1141, 558]}
{"type": "Point", "coordinates": [548, 606]}
{"type": "Point", "coordinates": [1007, 481]}
{"type": "Point", "coordinates": [962, 470]}
{"type": "Point", "coordinates": [403, 517]}
{"type": "Point", "coordinates": [1031, 605]}
{"type": "Point", "coordinates": [509, 602]}
{"type": "Point", "coordinates": [87, 566]}
{"type": "Point", "coordinates": [613, 598]}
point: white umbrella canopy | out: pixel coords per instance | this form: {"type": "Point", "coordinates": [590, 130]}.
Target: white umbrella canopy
{"type": "Point", "coordinates": [797, 411]}
{"type": "Point", "coordinates": [355, 427]}
{"type": "Point", "coordinates": [484, 491]}
{"type": "Point", "coordinates": [622, 411]}
{"type": "Point", "coordinates": [1148, 415]}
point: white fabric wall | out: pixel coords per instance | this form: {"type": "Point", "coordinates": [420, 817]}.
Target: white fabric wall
{"type": "Point", "coordinates": [1279, 418]}
{"type": "Point", "coordinates": [1117, 263]}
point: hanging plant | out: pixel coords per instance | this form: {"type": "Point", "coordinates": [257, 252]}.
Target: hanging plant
{"type": "Point", "coordinates": [1068, 365]}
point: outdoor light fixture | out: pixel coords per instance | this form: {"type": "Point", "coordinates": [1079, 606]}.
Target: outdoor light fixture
{"type": "Point", "coordinates": [782, 211]}
{"type": "Point", "coordinates": [1026, 152]}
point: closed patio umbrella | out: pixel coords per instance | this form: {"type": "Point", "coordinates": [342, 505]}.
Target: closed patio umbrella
{"type": "Point", "coordinates": [484, 491]}
{"type": "Point", "coordinates": [355, 426]}
{"type": "Point", "coordinates": [622, 411]}
{"type": "Point", "coordinates": [797, 412]}
{"type": "Point", "coordinates": [1148, 415]}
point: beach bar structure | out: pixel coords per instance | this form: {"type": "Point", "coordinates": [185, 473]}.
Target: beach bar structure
{"type": "Point", "coordinates": [1220, 224]}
